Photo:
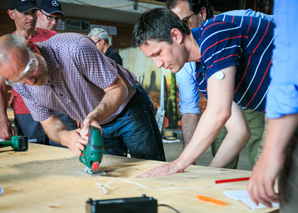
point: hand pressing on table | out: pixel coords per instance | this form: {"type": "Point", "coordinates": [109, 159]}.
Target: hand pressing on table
{"type": "Point", "coordinates": [163, 170]}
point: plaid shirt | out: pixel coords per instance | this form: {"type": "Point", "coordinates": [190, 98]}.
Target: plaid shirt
{"type": "Point", "coordinates": [79, 73]}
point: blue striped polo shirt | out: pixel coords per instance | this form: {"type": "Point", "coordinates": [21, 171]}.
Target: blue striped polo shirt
{"type": "Point", "coordinates": [241, 41]}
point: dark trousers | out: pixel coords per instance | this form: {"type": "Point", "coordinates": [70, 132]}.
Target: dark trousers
{"type": "Point", "coordinates": [135, 130]}
{"type": "Point", "coordinates": [288, 180]}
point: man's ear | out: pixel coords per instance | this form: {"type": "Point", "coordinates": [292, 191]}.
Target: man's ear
{"type": "Point", "coordinates": [177, 35]}
{"type": "Point", "coordinates": [11, 14]}
{"type": "Point", "coordinates": [203, 13]}
{"type": "Point", "coordinates": [38, 13]}
{"type": "Point", "coordinates": [102, 41]}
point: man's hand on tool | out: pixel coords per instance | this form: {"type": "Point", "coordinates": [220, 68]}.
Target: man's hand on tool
{"type": "Point", "coordinates": [90, 120]}
{"type": "Point", "coordinates": [74, 141]}
{"type": "Point", "coordinates": [163, 170]}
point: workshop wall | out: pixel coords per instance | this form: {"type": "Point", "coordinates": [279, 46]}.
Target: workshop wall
{"type": "Point", "coordinates": [7, 25]}
{"type": "Point", "coordinates": [119, 41]}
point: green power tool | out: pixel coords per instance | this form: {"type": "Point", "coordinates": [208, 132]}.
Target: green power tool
{"type": "Point", "coordinates": [92, 154]}
{"type": "Point", "coordinates": [19, 143]}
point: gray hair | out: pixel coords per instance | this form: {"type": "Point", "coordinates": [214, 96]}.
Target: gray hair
{"type": "Point", "coordinates": [99, 33]}
{"type": "Point", "coordinates": [10, 41]}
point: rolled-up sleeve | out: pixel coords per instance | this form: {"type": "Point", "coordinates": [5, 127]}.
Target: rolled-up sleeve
{"type": "Point", "coordinates": [282, 99]}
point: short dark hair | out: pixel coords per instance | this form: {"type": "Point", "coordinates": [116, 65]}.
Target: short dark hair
{"type": "Point", "coordinates": [194, 5]}
{"type": "Point", "coordinates": [157, 24]}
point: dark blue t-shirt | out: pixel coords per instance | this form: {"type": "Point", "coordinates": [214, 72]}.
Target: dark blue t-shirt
{"type": "Point", "coordinates": [247, 43]}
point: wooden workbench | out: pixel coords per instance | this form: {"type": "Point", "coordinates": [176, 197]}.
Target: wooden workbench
{"type": "Point", "coordinates": [50, 179]}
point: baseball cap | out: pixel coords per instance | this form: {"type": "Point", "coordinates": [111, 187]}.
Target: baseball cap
{"type": "Point", "coordinates": [22, 6]}
{"type": "Point", "coordinates": [50, 6]}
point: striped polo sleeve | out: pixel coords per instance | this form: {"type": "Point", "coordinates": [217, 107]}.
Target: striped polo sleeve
{"type": "Point", "coordinates": [245, 42]}
{"type": "Point", "coordinates": [220, 46]}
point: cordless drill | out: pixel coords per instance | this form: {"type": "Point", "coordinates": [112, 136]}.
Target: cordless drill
{"type": "Point", "coordinates": [92, 154]}
{"type": "Point", "coordinates": [19, 143]}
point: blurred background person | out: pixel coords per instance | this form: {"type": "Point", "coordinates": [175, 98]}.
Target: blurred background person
{"type": "Point", "coordinates": [101, 39]}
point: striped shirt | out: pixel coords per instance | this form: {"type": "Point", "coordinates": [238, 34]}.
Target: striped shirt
{"type": "Point", "coordinates": [79, 73]}
{"type": "Point", "coordinates": [241, 41]}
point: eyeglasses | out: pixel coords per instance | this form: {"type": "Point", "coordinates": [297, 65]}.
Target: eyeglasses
{"type": "Point", "coordinates": [186, 19]}
{"type": "Point", "coordinates": [52, 18]}
{"type": "Point", "coordinates": [28, 72]}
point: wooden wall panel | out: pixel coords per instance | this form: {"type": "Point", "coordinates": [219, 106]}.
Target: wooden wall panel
{"type": "Point", "coordinates": [7, 25]}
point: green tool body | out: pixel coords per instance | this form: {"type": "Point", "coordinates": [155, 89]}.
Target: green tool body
{"type": "Point", "coordinates": [19, 143]}
{"type": "Point", "coordinates": [92, 154]}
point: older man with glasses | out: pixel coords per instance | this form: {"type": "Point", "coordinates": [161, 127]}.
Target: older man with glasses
{"type": "Point", "coordinates": [49, 15]}
{"type": "Point", "coordinates": [23, 13]}
{"type": "Point", "coordinates": [73, 77]}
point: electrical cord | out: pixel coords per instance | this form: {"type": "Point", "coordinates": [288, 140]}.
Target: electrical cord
{"type": "Point", "coordinates": [170, 207]}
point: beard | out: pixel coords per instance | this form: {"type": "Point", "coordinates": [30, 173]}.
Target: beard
{"type": "Point", "coordinates": [43, 73]}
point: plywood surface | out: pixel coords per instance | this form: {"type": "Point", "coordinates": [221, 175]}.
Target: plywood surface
{"type": "Point", "coordinates": [50, 179]}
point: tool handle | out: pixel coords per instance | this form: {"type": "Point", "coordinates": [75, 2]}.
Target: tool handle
{"type": "Point", "coordinates": [5, 144]}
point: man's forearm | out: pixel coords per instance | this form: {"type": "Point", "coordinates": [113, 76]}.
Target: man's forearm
{"type": "Point", "coordinates": [279, 133]}
{"type": "Point", "coordinates": [210, 124]}
{"type": "Point", "coordinates": [115, 95]}
{"type": "Point", "coordinates": [189, 124]}
{"type": "Point", "coordinates": [3, 99]}
{"type": "Point", "coordinates": [5, 126]}
{"type": "Point", "coordinates": [58, 132]}
{"type": "Point", "coordinates": [235, 140]}
{"type": "Point", "coordinates": [54, 128]}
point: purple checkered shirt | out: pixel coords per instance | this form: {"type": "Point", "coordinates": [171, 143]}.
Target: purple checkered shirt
{"type": "Point", "coordinates": [79, 73]}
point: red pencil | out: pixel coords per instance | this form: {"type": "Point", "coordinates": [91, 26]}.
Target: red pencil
{"type": "Point", "coordinates": [232, 180]}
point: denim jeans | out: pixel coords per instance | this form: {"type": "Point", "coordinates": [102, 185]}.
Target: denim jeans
{"type": "Point", "coordinates": [135, 130]}
{"type": "Point", "coordinates": [30, 128]}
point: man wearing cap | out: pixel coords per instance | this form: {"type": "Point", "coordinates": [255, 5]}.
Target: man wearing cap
{"type": "Point", "coordinates": [23, 12]}
{"type": "Point", "coordinates": [49, 15]}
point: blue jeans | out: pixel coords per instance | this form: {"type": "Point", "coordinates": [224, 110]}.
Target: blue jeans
{"type": "Point", "coordinates": [135, 130]}
{"type": "Point", "coordinates": [26, 126]}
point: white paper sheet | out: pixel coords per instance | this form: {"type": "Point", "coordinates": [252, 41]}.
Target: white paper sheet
{"type": "Point", "coordinates": [242, 196]}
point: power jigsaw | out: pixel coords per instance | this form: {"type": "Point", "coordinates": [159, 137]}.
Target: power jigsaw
{"type": "Point", "coordinates": [92, 154]}
{"type": "Point", "coordinates": [19, 143]}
